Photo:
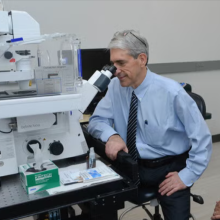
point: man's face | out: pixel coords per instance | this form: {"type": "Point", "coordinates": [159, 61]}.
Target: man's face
{"type": "Point", "coordinates": [129, 70]}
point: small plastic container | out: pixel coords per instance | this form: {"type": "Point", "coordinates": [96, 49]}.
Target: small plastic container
{"type": "Point", "coordinates": [92, 159]}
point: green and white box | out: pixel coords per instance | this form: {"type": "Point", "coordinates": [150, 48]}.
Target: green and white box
{"type": "Point", "coordinates": [34, 180]}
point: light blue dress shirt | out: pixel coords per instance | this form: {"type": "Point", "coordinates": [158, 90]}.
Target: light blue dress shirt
{"type": "Point", "coordinates": [169, 122]}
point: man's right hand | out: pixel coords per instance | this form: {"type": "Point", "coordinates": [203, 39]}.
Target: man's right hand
{"type": "Point", "coordinates": [115, 144]}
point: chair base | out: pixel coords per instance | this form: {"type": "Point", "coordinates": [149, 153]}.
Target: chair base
{"type": "Point", "coordinates": [156, 215]}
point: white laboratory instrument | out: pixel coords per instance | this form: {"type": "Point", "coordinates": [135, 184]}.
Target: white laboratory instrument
{"type": "Point", "coordinates": [50, 121]}
{"type": "Point", "coordinates": [15, 64]}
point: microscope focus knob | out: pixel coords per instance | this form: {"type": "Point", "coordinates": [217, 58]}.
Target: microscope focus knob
{"type": "Point", "coordinates": [56, 148]}
{"type": "Point", "coordinates": [8, 55]}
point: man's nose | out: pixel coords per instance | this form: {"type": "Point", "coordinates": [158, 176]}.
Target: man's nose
{"type": "Point", "coordinates": [117, 72]}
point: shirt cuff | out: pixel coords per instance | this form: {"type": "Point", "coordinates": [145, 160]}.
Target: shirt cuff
{"type": "Point", "coordinates": [107, 134]}
{"type": "Point", "coordinates": [188, 177]}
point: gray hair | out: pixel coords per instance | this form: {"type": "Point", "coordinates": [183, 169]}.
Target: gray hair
{"type": "Point", "coordinates": [132, 41]}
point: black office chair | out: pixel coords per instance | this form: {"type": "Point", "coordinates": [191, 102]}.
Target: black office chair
{"type": "Point", "coordinates": [198, 99]}
{"type": "Point", "coordinates": [147, 195]}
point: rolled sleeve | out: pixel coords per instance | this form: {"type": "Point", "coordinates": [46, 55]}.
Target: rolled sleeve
{"type": "Point", "coordinates": [107, 134]}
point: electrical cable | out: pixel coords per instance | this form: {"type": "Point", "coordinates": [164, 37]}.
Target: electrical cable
{"type": "Point", "coordinates": [6, 132]}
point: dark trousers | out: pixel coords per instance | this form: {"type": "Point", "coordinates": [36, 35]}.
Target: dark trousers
{"type": "Point", "coordinates": [176, 206]}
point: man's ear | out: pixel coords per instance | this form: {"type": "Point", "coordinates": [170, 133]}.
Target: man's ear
{"type": "Point", "coordinates": [143, 59]}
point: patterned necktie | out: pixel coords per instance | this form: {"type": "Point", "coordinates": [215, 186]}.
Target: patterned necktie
{"type": "Point", "coordinates": [132, 129]}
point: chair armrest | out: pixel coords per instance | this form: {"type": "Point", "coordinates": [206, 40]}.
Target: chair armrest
{"type": "Point", "coordinates": [208, 116]}
{"type": "Point", "coordinates": [127, 165]}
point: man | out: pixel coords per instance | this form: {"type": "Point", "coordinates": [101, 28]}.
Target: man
{"type": "Point", "coordinates": [156, 121]}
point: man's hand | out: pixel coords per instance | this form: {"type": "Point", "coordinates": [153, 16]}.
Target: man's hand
{"type": "Point", "coordinates": [216, 214]}
{"type": "Point", "coordinates": [114, 145]}
{"type": "Point", "coordinates": [171, 184]}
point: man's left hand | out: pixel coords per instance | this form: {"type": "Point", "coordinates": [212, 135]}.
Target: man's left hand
{"type": "Point", "coordinates": [171, 184]}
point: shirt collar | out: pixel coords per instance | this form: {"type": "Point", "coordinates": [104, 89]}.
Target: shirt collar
{"type": "Point", "coordinates": [142, 88]}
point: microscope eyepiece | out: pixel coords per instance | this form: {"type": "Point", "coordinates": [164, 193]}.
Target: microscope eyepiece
{"type": "Point", "coordinates": [112, 69]}
{"type": "Point", "coordinates": [106, 67]}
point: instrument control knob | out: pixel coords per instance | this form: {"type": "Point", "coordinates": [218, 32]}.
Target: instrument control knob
{"type": "Point", "coordinates": [8, 55]}
{"type": "Point", "coordinates": [56, 148]}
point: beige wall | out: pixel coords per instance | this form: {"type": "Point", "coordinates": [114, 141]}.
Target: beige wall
{"type": "Point", "coordinates": [178, 31]}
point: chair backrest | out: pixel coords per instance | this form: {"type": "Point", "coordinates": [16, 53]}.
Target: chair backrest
{"type": "Point", "coordinates": [200, 102]}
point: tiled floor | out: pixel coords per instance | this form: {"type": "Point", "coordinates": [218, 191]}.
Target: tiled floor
{"type": "Point", "coordinates": [208, 187]}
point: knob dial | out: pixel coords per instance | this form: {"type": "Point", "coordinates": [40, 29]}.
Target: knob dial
{"type": "Point", "coordinates": [56, 148]}
{"type": "Point", "coordinates": [8, 55]}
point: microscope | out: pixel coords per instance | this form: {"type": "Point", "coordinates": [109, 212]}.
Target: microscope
{"type": "Point", "coordinates": [27, 117]}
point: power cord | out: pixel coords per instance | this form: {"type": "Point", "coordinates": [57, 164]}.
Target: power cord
{"type": "Point", "coordinates": [6, 132]}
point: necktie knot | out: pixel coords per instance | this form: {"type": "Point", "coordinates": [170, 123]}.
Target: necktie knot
{"type": "Point", "coordinates": [134, 97]}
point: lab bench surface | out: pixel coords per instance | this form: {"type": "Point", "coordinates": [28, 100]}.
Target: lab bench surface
{"type": "Point", "coordinates": [101, 199]}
